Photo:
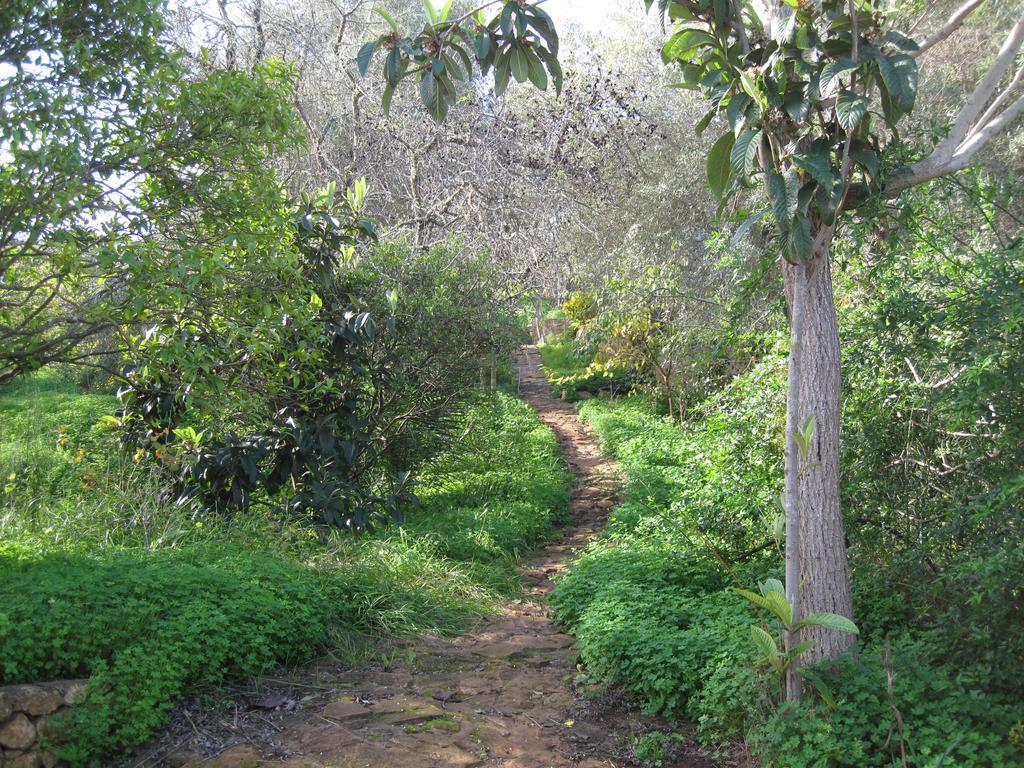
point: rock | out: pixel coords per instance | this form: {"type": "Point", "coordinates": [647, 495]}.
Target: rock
{"type": "Point", "coordinates": [34, 700]}
{"type": "Point", "coordinates": [17, 733]}
{"type": "Point", "coordinates": [73, 690]}
{"type": "Point", "coordinates": [48, 759]}
{"type": "Point", "coordinates": [346, 711]}
{"type": "Point", "coordinates": [584, 395]}
{"type": "Point", "coordinates": [24, 760]}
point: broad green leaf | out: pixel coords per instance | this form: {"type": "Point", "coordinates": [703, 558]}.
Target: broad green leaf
{"type": "Point", "coordinates": [745, 226]}
{"type": "Point", "coordinates": [831, 73]}
{"type": "Point", "coordinates": [759, 600]}
{"type": "Point", "coordinates": [482, 44]}
{"type": "Point", "coordinates": [388, 18]}
{"type": "Point", "coordinates": [743, 156]}
{"type": "Point", "coordinates": [554, 67]}
{"type": "Point", "coordinates": [796, 103]}
{"type": "Point", "coordinates": [502, 72]}
{"type": "Point", "coordinates": [431, 11]}
{"type": "Point", "coordinates": [816, 163]}
{"type": "Point", "coordinates": [737, 109]}
{"type": "Point", "coordinates": [784, 194]}
{"type": "Point", "coordinates": [779, 605]}
{"type": "Point", "coordinates": [365, 55]}
{"type": "Point", "coordinates": [850, 109]}
{"type": "Point", "coordinates": [799, 648]}
{"type": "Point", "coordinates": [538, 75]}
{"type": "Point", "coordinates": [800, 246]}
{"type": "Point", "coordinates": [864, 154]}
{"type": "Point", "coordinates": [772, 585]}
{"type": "Point", "coordinates": [705, 121]}
{"type": "Point", "coordinates": [829, 620]}
{"type": "Point", "coordinates": [750, 86]}
{"type": "Point", "coordinates": [718, 164]}
{"type": "Point", "coordinates": [764, 642]}
{"type": "Point", "coordinates": [520, 64]}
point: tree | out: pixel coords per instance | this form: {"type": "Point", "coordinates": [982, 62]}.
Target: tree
{"type": "Point", "coordinates": [813, 93]}
{"type": "Point", "coordinates": [127, 185]}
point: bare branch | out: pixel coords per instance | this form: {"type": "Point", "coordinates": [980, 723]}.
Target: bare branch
{"type": "Point", "coordinates": [953, 23]}
{"type": "Point", "coordinates": [977, 123]}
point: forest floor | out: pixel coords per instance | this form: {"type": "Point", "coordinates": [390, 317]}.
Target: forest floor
{"type": "Point", "coordinates": [502, 694]}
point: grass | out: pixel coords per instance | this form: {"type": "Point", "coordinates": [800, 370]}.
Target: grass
{"type": "Point", "coordinates": [100, 578]}
{"type": "Point", "coordinates": [559, 359]}
{"type": "Point", "coordinates": [651, 610]}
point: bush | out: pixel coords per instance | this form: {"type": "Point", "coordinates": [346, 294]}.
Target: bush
{"type": "Point", "coordinates": [650, 609]}
{"type": "Point", "coordinates": [947, 719]}
{"type": "Point", "coordinates": [147, 629]}
{"type": "Point", "coordinates": [148, 622]}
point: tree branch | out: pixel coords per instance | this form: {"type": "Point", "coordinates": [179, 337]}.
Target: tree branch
{"type": "Point", "coordinates": [975, 125]}
{"type": "Point", "coordinates": [953, 23]}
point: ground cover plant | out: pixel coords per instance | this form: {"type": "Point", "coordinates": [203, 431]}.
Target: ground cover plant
{"type": "Point", "coordinates": [259, 304]}
{"type": "Point", "coordinates": [150, 614]}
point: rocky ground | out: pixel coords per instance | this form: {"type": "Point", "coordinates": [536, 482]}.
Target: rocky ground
{"type": "Point", "coordinates": [500, 695]}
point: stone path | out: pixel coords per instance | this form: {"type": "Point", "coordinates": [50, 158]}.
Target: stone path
{"type": "Point", "coordinates": [500, 695]}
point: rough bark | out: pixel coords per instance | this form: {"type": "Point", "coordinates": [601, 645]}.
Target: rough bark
{"type": "Point", "coordinates": [824, 583]}
{"type": "Point", "coordinates": [797, 296]}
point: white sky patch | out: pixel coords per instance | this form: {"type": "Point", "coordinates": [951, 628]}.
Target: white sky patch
{"type": "Point", "coordinates": [592, 15]}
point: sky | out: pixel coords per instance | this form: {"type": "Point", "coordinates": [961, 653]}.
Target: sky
{"type": "Point", "coordinates": [588, 13]}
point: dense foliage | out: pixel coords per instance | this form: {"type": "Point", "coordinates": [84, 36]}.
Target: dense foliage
{"type": "Point", "coordinates": [202, 601]}
{"type": "Point", "coordinates": [931, 494]}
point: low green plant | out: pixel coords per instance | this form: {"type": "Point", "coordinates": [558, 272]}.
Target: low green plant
{"type": "Point", "coordinates": [653, 749]}
{"type": "Point", "coordinates": [771, 649]}
{"type": "Point", "coordinates": [149, 619]}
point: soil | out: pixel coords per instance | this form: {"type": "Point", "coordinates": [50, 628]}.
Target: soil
{"type": "Point", "coordinates": [502, 694]}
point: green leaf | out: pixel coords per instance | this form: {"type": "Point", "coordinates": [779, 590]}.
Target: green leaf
{"type": "Point", "coordinates": [743, 156]}
{"type": "Point", "coordinates": [718, 164]}
{"type": "Point", "coordinates": [817, 164]}
{"type": "Point", "coordinates": [538, 75]}
{"type": "Point", "coordinates": [388, 18]}
{"type": "Point", "coordinates": [765, 645]}
{"type": "Point", "coordinates": [850, 109]}
{"type": "Point", "coordinates": [799, 648]}
{"type": "Point", "coordinates": [783, 192]}
{"type": "Point", "coordinates": [780, 606]}
{"type": "Point", "coordinates": [385, 99]}
{"type": "Point", "coordinates": [482, 44]}
{"type": "Point", "coordinates": [431, 11]}
{"type": "Point", "coordinates": [705, 121]}
{"type": "Point", "coordinates": [365, 55]}
{"type": "Point", "coordinates": [554, 67]}
{"type": "Point", "coordinates": [750, 87]}
{"type": "Point", "coordinates": [520, 64]}
{"type": "Point", "coordinates": [772, 585]}
{"type": "Point", "coordinates": [759, 600]}
{"type": "Point", "coordinates": [502, 72]}
{"type": "Point", "coordinates": [831, 73]}
{"type": "Point", "coordinates": [829, 620]}
{"type": "Point", "coordinates": [393, 67]}
{"type": "Point", "coordinates": [800, 245]}
{"type": "Point", "coordinates": [865, 155]}
{"type": "Point", "coordinates": [737, 109]}
{"type": "Point", "coordinates": [796, 103]}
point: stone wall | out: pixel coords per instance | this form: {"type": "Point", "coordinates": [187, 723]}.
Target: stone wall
{"type": "Point", "coordinates": [24, 712]}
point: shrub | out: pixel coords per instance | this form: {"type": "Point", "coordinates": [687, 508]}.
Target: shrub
{"type": "Point", "coordinates": [149, 622]}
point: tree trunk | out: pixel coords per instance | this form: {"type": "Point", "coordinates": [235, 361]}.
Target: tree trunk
{"type": "Point", "coordinates": [824, 583]}
{"type": "Point", "coordinates": [494, 376]}
{"type": "Point", "coordinates": [538, 318]}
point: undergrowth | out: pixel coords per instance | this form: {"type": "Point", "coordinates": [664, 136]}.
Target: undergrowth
{"type": "Point", "coordinates": [151, 602]}
{"type": "Point", "coordinates": [649, 604]}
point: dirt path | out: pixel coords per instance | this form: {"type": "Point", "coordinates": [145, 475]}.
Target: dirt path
{"type": "Point", "coordinates": [500, 695]}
